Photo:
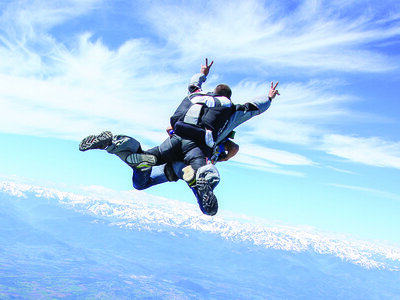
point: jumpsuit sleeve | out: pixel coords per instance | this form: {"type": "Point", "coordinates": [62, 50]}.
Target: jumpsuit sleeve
{"type": "Point", "coordinates": [255, 107]}
{"type": "Point", "coordinates": [243, 113]}
{"type": "Point", "coordinates": [196, 82]}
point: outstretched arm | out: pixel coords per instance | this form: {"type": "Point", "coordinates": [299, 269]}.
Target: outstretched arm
{"type": "Point", "coordinates": [198, 79]}
{"type": "Point", "coordinates": [244, 112]}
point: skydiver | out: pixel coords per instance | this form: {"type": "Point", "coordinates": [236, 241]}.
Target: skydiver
{"type": "Point", "coordinates": [193, 149]}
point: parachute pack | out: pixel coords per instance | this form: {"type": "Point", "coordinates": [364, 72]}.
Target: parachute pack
{"type": "Point", "coordinates": [199, 112]}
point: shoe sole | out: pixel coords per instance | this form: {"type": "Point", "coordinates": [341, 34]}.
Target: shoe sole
{"type": "Point", "coordinates": [207, 200]}
{"type": "Point", "coordinates": [141, 160]}
{"type": "Point", "coordinates": [100, 141]}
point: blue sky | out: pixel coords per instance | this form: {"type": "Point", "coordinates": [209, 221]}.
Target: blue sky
{"type": "Point", "coordinates": [326, 154]}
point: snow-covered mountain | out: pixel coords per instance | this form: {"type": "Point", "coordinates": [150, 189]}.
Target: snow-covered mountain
{"type": "Point", "coordinates": [139, 210]}
{"type": "Point", "coordinates": [104, 244]}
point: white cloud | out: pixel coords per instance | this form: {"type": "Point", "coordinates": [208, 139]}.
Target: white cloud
{"type": "Point", "coordinates": [320, 35]}
{"type": "Point", "coordinates": [373, 151]}
{"type": "Point", "coordinates": [341, 170]}
{"type": "Point", "coordinates": [69, 89]}
{"type": "Point", "coordinates": [379, 193]}
{"type": "Point", "coordinates": [301, 115]}
{"type": "Point", "coordinates": [275, 156]}
{"type": "Point", "coordinates": [53, 89]}
{"type": "Point", "coordinates": [87, 88]}
{"type": "Point", "coordinates": [255, 163]}
{"type": "Point", "coordinates": [304, 115]}
{"type": "Point", "coordinates": [270, 160]}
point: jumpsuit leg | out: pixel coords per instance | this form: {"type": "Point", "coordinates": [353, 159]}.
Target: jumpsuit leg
{"type": "Point", "coordinates": [123, 146]}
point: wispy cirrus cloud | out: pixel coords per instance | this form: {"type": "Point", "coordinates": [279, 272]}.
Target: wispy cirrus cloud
{"type": "Point", "coordinates": [69, 88]}
{"type": "Point", "coordinates": [373, 151]}
{"type": "Point", "coordinates": [277, 156]}
{"type": "Point", "coordinates": [271, 160]}
{"type": "Point", "coordinates": [303, 113]}
{"type": "Point", "coordinates": [318, 35]}
{"type": "Point", "coordinates": [377, 192]}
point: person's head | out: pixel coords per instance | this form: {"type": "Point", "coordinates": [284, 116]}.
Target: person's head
{"type": "Point", "coordinates": [223, 90]}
